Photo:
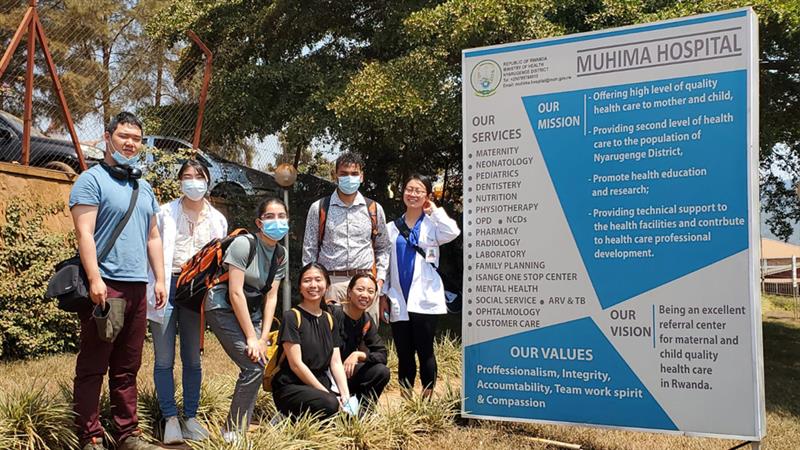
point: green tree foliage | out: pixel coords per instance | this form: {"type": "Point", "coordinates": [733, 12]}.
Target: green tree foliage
{"type": "Point", "coordinates": [310, 161]}
{"type": "Point", "coordinates": [31, 325]}
{"type": "Point", "coordinates": [383, 77]}
{"type": "Point", "coordinates": [162, 172]}
{"type": "Point", "coordinates": [105, 59]}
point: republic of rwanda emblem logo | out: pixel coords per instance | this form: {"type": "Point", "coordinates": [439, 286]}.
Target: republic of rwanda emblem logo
{"type": "Point", "coordinates": [485, 78]}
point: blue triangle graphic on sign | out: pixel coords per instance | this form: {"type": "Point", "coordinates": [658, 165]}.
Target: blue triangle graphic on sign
{"type": "Point", "coordinates": [622, 189]}
{"type": "Point", "coordinates": [588, 380]}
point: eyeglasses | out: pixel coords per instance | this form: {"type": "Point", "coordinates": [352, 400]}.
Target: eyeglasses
{"type": "Point", "coordinates": [415, 191]}
{"type": "Point", "coordinates": [273, 216]}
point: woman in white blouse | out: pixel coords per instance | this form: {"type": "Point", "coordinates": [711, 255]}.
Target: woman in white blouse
{"type": "Point", "coordinates": [186, 224]}
{"type": "Point", "coordinates": [414, 293]}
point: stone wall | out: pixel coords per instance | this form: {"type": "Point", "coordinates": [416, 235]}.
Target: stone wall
{"type": "Point", "coordinates": [47, 185]}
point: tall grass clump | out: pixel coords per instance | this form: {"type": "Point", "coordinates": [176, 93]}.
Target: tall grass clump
{"type": "Point", "coordinates": [308, 431]}
{"type": "Point", "coordinates": [265, 408]}
{"type": "Point", "coordinates": [31, 419]}
{"type": "Point", "coordinates": [149, 412]}
{"type": "Point", "coordinates": [402, 428]}
{"type": "Point", "coordinates": [367, 432]}
{"type": "Point", "coordinates": [447, 348]}
{"type": "Point", "coordinates": [436, 413]}
{"type": "Point", "coordinates": [215, 399]}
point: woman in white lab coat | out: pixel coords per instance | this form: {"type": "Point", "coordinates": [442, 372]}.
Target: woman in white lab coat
{"type": "Point", "coordinates": [414, 292]}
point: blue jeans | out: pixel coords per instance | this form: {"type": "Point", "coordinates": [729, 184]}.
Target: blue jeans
{"type": "Point", "coordinates": [226, 328]}
{"type": "Point", "coordinates": [187, 323]}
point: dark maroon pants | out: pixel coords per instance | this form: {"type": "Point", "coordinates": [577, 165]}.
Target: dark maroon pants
{"type": "Point", "coordinates": [121, 359]}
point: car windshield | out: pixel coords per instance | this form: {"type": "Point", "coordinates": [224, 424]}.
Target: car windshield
{"type": "Point", "coordinates": [18, 123]}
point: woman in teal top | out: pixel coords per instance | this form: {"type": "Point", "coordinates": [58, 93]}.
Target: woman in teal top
{"type": "Point", "coordinates": [238, 313]}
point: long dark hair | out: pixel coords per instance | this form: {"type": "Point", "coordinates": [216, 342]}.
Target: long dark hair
{"type": "Point", "coordinates": [323, 271]}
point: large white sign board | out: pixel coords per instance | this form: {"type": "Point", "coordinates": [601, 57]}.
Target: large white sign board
{"type": "Point", "coordinates": [611, 219]}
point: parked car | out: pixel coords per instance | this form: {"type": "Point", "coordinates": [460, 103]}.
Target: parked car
{"type": "Point", "coordinates": [229, 179]}
{"type": "Point", "coordinates": [47, 152]}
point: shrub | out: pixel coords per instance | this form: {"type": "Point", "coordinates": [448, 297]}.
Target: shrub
{"type": "Point", "coordinates": [162, 171]}
{"type": "Point", "coordinates": [30, 325]}
{"type": "Point", "coordinates": [32, 420]}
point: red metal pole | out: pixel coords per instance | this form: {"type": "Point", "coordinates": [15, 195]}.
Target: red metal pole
{"type": "Point", "coordinates": [59, 91]}
{"type": "Point", "coordinates": [12, 46]}
{"type": "Point", "coordinates": [27, 117]}
{"type": "Point", "coordinates": [203, 90]}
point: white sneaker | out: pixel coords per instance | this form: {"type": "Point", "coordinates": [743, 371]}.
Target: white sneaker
{"type": "Point", "coordinates": [193, 430]}
{"type": "Point", "coordinates": [172, 432]}
{"type": "Point", "coordinates": [277, 418]}
{"type": "Point", "coordinates": [230, 437]}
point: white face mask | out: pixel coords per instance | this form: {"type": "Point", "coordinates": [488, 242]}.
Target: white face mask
{"type": "Point", "coordinates": [194, 189]}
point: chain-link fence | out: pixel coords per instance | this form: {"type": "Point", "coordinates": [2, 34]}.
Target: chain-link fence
{"type": "Point", "coordinates": [108, 61]}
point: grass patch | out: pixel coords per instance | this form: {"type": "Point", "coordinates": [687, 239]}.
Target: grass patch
{"type": "Point", "coordinates": [778, 303]}
{"type": "Point", "coordinates": [32, 420]}
{"type": "Point", "coordinates": [41, 417]}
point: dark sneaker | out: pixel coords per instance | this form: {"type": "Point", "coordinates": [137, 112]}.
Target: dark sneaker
{"type": "Point", "coordinates": [137, 442]}
{"type": "Point", "coordinates": [94, 444]}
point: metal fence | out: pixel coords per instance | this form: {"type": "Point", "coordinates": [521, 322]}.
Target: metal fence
{"type": "Point", "coordinates": [107, 62]}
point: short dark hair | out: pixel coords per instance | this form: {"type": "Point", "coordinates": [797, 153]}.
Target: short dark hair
{"type": "Point", "coordinates": [262, 207]}
{"type": "Point", "coordinates": [348, 158]}
{"type": "Point", "coordinates": [426, 181]}
{"type": "Point", "coordinates": [196, 165]}
{"type": "Point", "coordinates": [123, 118]}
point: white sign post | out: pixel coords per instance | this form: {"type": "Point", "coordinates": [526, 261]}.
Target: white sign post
{"type": "Point", "coordinates": [611, 229]}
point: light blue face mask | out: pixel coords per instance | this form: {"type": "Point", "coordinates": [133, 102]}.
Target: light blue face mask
{"type": "Point", "coordinates": [119, 157]}
{"type": "Point", "coordinates": [349, 184]}
{"type": "Point", "coordinates": [275, 229]}
{"type": "Point", "coordinates": [194, 189]}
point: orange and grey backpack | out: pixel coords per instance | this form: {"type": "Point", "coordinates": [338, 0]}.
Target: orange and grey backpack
{"type": "Point", "coordinates": [205, 270]}
{"type": "Point", "coordinates": [372, 209]}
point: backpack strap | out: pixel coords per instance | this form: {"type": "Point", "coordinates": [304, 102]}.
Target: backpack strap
{"type": "Point", "coordinates": [330, 319]}
{"type": "Point", "coordinates": [121, 225]}
{"type": "Point", "coordinates": [372, 209]}
{"type": "Point", "coordinates": [324, 205]}
{"type": "Point", "coordinates": [367, 325]}
{"type": "Point", "coordinates": [278, 257]}
{"type": "Point", "coordinates": [298, 316]}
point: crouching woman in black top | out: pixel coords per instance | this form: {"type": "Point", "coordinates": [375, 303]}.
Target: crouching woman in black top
{"type": "Point", "coordinates": [362, 349]}
{"type": "Point", "coordinates": [310, 339]}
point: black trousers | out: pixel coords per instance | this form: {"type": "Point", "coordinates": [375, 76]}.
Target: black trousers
{"type": "Point", "coordinates": [415, 336]}
{"type": "Point", "coordinates": [368, 381]}
{"type": "Point", "coordinates": [297, 399]}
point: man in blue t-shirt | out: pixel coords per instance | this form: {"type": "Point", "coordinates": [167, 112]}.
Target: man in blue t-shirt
{"type": "Point", "coordinates": [98, 202]}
